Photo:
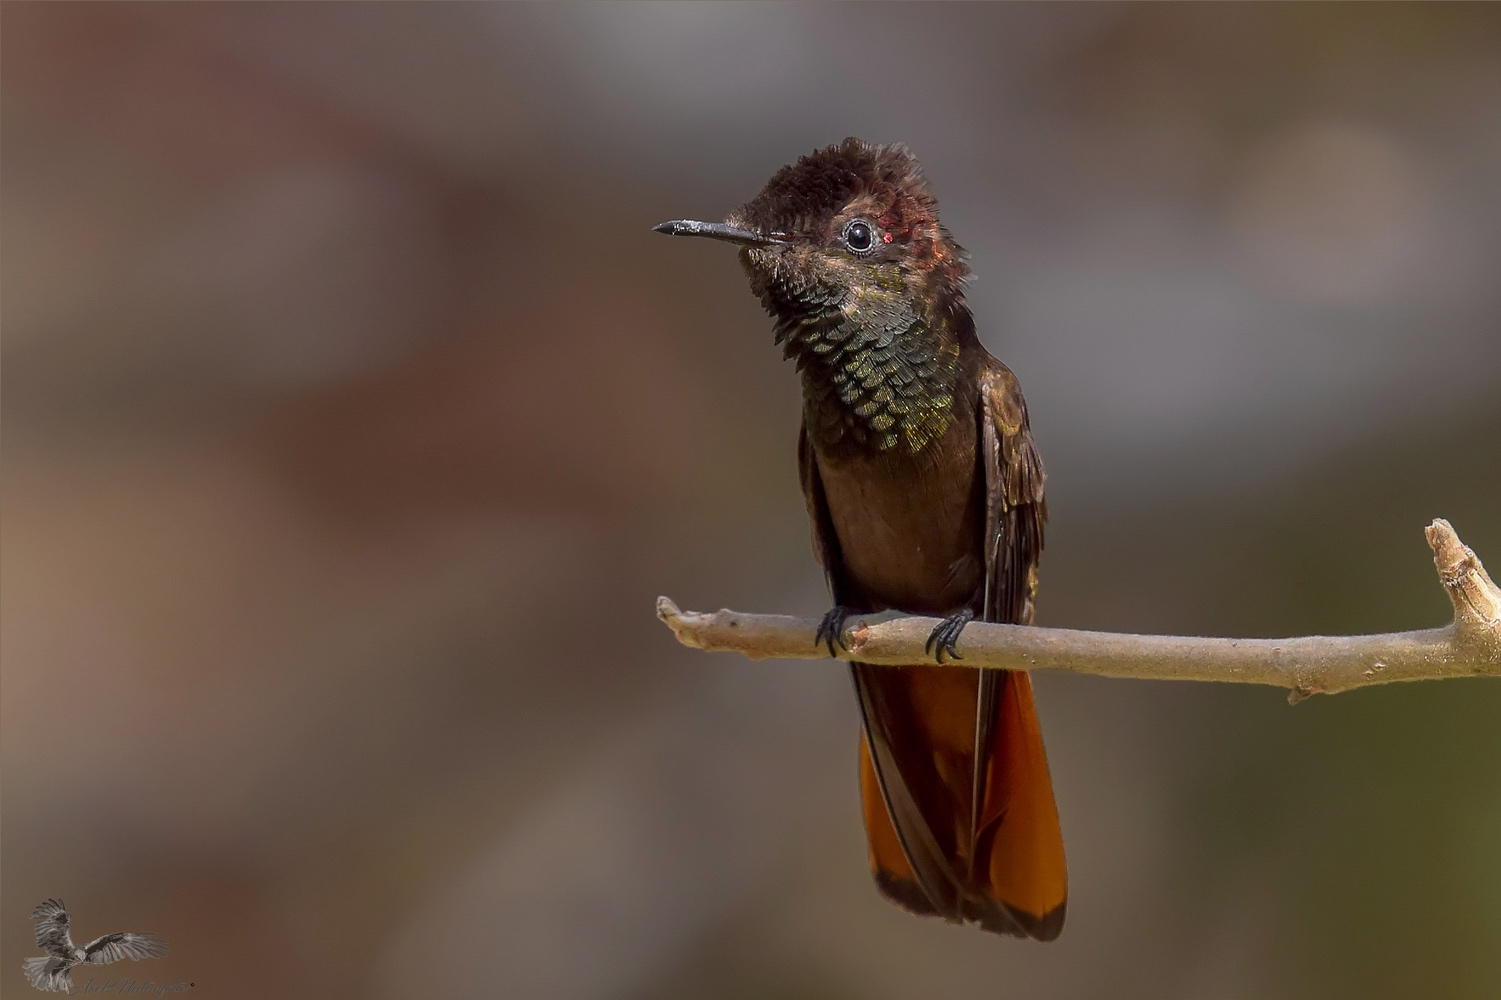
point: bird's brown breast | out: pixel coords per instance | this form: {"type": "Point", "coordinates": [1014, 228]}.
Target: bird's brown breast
{"type": "Point", "coordinates": [909, 525]}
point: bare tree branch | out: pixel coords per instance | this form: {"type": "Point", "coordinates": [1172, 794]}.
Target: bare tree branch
{"type": "Point", "coordinates": [1469, 647]}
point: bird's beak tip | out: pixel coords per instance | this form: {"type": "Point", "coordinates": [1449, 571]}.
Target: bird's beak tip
{"type": "Point", "coordinates": [714, 231]}
{"type": "Point", "coordinates": [691, 227]}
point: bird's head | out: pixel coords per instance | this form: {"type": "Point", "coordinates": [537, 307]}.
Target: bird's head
{"type": "Point", "coordinates": [851, 228]}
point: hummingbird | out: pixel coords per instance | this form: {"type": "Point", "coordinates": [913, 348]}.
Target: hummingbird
{"type": "Point", "coordinates": [925, 496]}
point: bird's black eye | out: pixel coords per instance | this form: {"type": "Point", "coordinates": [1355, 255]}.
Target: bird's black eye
{"type": "Point", "coordinates": [858, 237]}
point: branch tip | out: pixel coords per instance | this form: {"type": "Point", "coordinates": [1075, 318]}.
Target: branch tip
{"type": "Point", "coordinates": [1450, 555]}
{"type": "Point", "coordinates": [1476, 599]}
{"type": "Point", "coordinates": [668, 611]}
{"type": "Point", "coordinates": [673, 617]}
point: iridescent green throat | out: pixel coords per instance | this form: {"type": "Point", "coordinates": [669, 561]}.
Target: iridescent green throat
{"type": "Point", "coordinates": [877, 374]}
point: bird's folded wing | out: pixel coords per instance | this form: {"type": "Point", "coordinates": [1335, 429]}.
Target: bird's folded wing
{"type": "Point", "coordinates": [1020, 846]}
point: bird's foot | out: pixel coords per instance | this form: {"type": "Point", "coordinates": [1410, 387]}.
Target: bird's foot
{"type": "Point", "coordinates": [943, 638]}
{"type": "Point", "coordinates": [831, 629]}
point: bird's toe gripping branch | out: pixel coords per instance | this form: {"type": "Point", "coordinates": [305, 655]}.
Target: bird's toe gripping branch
{"type": "Point", "coordinates": [944, 637]}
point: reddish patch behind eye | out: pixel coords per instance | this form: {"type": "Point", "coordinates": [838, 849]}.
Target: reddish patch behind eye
{"type": "Point", "coordinates": [885, 237]}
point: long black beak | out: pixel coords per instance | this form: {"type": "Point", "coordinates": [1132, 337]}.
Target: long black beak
{"type": "Point", "coordinates": [715, 231]}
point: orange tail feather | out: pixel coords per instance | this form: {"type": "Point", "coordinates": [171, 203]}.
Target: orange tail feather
{"type": "Point", "coordinates": [1015, 863]}
{"type": "Point", "coordinates": [1019, 830]}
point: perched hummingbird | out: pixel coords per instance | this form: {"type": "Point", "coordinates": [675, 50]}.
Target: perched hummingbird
{"type": "Point", "coordinates": [925, 494]}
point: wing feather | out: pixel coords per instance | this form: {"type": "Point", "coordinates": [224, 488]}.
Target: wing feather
{"type": "Point", "coordinates": [825, 540]}
{"type": "Point", "coordinates": [1019, 853]}
{"type": "Point", "coordinates": [52, 928]}
{"type": "Point", "coordinates": [1015, 511]}
{"type": "Point", "coordinates": [123, 944]}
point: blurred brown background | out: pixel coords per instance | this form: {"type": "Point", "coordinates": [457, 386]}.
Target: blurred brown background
{"type": "Point", "coordinates": [354, 418]}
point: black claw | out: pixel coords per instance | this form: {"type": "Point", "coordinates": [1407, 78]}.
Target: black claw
{"type": "Point", "coordinates": [945, 636]}
{"type": "Point", "coordinates": [831, 629]}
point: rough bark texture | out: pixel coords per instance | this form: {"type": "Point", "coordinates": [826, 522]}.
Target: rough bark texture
{"type": "Point", "coordinates": [1469, 647]}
